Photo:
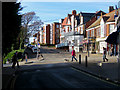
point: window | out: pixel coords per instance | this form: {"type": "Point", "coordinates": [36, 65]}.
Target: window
{"type": "Point", "coordinates": [98, 17]}
{"type": "Point", "coordinates": [98, 32]}
{"type": "Point", "coordinates": [81, 30]}
{"type": "Point", "coordinates": [88, 34]}
{"type": "Point", "coordinates": [68, 29]}
{"type": "Point", "coordinates": [93, 33]}
{"type": "Point", "coordinates": [111, 28]}
{"type": "Point", "coordinates": [57, 26]}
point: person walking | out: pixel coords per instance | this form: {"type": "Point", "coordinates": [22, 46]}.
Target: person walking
{"type": "Point", "coordinates": [39, 53]}
{"type": "Point", "coordinates": [73, 54]}
{"type": "Point", "coordinates": [14, 60]}
{"type": "Point", "coordinates": [104, 54]}
{"type": "Point", "coordinates": [112, 51]}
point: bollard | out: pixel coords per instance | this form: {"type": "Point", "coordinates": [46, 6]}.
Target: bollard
{"type": "Point", "coordinates": [79, 58]}
{"type": "Point", "coordinates": [86, 61]}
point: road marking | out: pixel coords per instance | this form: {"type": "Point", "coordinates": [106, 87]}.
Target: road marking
{"type": "Point", "coordinates": [95, 77]}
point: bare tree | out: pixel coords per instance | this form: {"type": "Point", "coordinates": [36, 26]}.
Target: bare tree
{"type": "Point", "coordinates": [27, 18]}
{"type": "Point", "coordinates": [30, 24]}
{"type": "Point", "coordinates": [34, 26]}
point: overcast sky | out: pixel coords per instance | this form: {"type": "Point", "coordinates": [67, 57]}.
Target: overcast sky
{"type": "Point", "coordinates": [53, 11]}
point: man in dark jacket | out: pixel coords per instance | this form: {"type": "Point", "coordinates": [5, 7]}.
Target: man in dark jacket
{"type": "Point", "coordinates": [14, 60]}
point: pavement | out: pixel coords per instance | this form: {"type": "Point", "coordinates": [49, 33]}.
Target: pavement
{"type": "Point", "coordinates": [105, 70]}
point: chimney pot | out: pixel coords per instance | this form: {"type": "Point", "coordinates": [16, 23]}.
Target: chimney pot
{"type": "Point", "coordinates": [111, 8]}
{"type": "Point", "coordinates": [74, 12]}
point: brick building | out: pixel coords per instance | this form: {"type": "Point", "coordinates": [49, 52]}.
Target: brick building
{"type": "Point", "coordinates": [56, 33]}
{"type": "Point", "coordinates": [46, 34]}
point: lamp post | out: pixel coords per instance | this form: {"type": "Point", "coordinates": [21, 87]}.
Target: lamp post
{"type": "Point", "coordinates": [37, 45]}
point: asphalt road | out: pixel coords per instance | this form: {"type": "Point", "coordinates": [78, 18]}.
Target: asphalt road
{"type": "Point", "coordinates": [58, 77]}
{"type": "Point", "coordinates": [55, 75]}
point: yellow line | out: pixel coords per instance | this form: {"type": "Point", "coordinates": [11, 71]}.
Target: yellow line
{"type": "Point", "coordinates": [96, 77]}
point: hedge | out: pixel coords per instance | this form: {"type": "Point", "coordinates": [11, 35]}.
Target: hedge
{"type": "Point", "coordinates": [10, 55]}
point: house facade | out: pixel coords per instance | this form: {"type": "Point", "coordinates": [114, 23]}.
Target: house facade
{"type": "Point", "coordinates": [97, 33]}
{"type": "Point", "coordinates": [72, 32]}
{"type": "Point", "coordinates": [68, 36]}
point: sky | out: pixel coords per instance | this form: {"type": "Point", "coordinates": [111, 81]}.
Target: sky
{"type": "Point", "coordinates": [50, 12]}
{"type": "Point", "coordinates": [69, 0]}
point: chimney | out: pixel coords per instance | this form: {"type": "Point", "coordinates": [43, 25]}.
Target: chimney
{"type": "Point", "coordinates": [111, 8]}
{"type": "Point", "coordinates": [101, 14]}
{"type": "Point", "coordinates": [74, 12]}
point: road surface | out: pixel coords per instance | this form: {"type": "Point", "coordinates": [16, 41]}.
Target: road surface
{"type": "Point", "coordinates": [58, 77]}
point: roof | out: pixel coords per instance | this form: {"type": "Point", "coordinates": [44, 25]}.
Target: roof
{"type": "Point", "coordinates": [65, 22]}
{"type": "Point", "coordinates": [99, 12]}
{"type": "Point", "coordinates": [111, 19]}
{"type": "Point", "coordinates": [92, 20]}
{"type": "Point", "coordinates": [87, 16]}
{"type": "Point", "coordinates": [111, 16]}
{"type": "Point", "coordinates": [96, 23]}
{"type": "Point", "coordinates": [107, 18]}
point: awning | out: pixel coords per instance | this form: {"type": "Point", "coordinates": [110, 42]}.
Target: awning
{"type": "Point", "coordinates": [112, 38]}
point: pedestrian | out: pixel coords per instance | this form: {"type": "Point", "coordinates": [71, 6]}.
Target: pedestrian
{"type": "Point", "coordinates": [14, 60]}
{"type": "Point", "coordinates": [112, 51]}
{"type": "Point", "coordinates": [104, 54]}
{"type": "Point", "coordinates": [73, 54]}
{"type": "Point", "coordinates": [40, 54]}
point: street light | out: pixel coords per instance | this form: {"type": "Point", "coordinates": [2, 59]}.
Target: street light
{"type": "Point", "coordinates": [37, 45]}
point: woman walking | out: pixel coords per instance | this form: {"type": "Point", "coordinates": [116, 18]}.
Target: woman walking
{"type": "Point", "coordinates": [73, 54]}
